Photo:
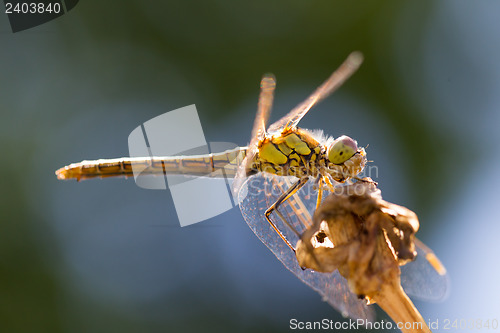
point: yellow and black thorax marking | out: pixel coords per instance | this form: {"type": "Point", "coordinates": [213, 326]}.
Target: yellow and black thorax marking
{"type": "Point", "coordinates": [292, 153]}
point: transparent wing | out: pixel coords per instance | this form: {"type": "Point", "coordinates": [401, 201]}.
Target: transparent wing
{"type": "Point", "coordinates": [265, 104]}
{"type": "Point", "coordinates": [425, 278]}
{"type": "Point", "coordinates": [267, 86]}
{"type": "Point", "coordinates": [256, 195]}
{"type": "Point", "coordinates": [348, 67]}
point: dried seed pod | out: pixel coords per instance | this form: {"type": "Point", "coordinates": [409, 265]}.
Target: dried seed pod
{"type": "Point", "coordinates": [366, 239]}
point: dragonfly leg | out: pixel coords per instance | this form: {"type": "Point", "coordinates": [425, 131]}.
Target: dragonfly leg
{"type": "Point", "coordinates": [319, 183]}
{"type": "Point", "coordinates": [366, 180]}
{"type": "Point", "coordinates": [274, 207]}
{"type": "Point", "coordinates": [329, 181]}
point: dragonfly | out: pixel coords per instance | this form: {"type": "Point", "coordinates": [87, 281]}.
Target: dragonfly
{"type": "Point", "coordinates": [283, 150]}
{"type": "Point", "coordinates": [283, 166]}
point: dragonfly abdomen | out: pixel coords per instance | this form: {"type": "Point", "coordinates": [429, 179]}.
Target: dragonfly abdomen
{"type": "Point", "coordinates": [218, 165]}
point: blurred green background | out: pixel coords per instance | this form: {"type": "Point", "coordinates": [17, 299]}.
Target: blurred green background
{"type": "Point", "coordinates": [108, 256]}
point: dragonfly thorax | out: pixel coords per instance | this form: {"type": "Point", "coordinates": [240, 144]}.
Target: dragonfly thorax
{"type": "Point", "coordinates": [298, 152]}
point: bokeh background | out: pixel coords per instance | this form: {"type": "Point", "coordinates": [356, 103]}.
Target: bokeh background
{"type": "Point", "coordinates": [108, 256]}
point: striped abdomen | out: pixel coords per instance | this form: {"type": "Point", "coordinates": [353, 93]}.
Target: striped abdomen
{"type": "Point", "coordinates": [223, 164]}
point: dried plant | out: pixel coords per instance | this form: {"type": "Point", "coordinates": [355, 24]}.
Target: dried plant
{"type": "Point", "coordinates": [367, 239]}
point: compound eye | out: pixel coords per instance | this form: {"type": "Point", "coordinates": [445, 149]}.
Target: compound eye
{"type": "Point", "coordinates": [342, 149]}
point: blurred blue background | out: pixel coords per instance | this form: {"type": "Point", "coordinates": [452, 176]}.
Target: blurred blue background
{"type": "Point", "coordinates": [107, 256]}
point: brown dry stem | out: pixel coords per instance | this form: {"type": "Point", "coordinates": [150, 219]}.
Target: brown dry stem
{"type": "Point", "coordinates": [366, 239]}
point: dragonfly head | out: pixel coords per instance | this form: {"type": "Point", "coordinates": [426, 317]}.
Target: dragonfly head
{"type": "Point", "coordinates": [342, 149]}
{"type": "Point", "coordinates": [345, 158]}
